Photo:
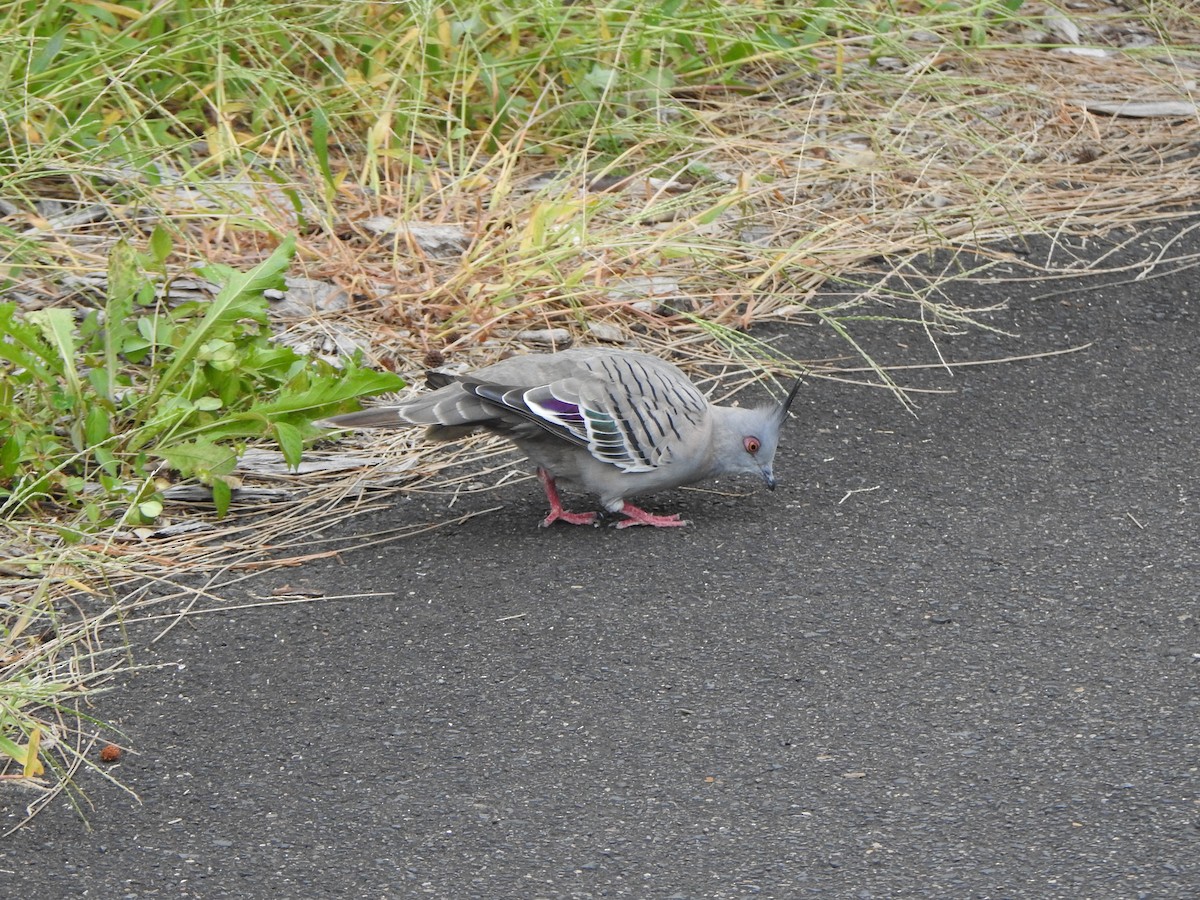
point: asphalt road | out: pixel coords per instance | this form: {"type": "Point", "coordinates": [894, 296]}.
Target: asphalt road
{"type": "Point", "coordinates": [953, 655]}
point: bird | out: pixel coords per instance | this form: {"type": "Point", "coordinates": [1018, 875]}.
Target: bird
{"type": "Point", "coordinates": [614, 423]}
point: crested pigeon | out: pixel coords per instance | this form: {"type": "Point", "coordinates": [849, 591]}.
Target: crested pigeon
{"type": "Point", "coordinates": [613, 423]}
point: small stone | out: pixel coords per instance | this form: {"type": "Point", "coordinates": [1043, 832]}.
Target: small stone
{"type": "Point", "coordinates": [556, 338]}
{"type": "Point", "coordinates": [436, 240]}
{"type": "Point", "coordinates": [306, 297]}
{"type": "Point", "coordinates": [644, 286]}
{"type": "Point", "coordinates": [606, 332]}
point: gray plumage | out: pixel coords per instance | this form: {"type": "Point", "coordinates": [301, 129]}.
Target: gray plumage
{"type": "Point", "coordinates": [614, 423]}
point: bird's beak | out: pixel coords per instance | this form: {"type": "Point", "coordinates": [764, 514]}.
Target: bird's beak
{"type": "Point", "coordinates": [769, 477]}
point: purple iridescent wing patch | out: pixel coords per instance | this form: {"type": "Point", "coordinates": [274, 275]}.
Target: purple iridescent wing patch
{"type": "Point", "coordinates": [563, 410]}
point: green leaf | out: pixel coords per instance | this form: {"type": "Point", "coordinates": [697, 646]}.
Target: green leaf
{"type": "Point", "coordinates": [153, 333]}
{"type": "Point", "coordinates": [222, 495]}
{"type": "Point", "coordinates": [124, 277]}
{"type": "Point", "coordinates": [601, 77]}
{"type": "Point", "coordinates": [714, 212]}
{"type": "Point", "coordinates": [58, 328]}
{"type": "Point", "coordinates": [41, 62]}
{"type": "Point", "coordinates": [10, 455]}
{"type": "Point", "coordinates": [285, 183]}
{"type": "Point", "coordinates": [320, 143]}
{"type": "Point", "coordinates": [320, 398]}
{"type": "Point", "coordinates": [124, 281]}
{"type": "Point", "coordinates": [219, 353]}
{"type": "Point", "coordinates": [96, 426]}
{"type": "Point", "coordinates": [25, 347]}
{"type": "Point", "coordinates": [201, 458]}
{"type": "Point", "coordinates": [237, 288]}
{"type": "Point", "coordinates": [11, 749]}
{"type": "Point", "coordinates": [107, 460]}
{"type": "Point", "coordinates": [291, 442]}
{"type": "Point", "coordinates": [160, 244]}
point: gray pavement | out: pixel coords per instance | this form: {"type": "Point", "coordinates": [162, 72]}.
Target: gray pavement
{"type": "Point", "coordinates": [954, 655]}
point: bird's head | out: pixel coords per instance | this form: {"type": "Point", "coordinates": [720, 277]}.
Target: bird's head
{"type": "Point", "coordinates": [745, 439]}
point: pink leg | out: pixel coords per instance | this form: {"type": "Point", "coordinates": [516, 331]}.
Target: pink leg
{"type": "Point", "coordinates": [556, 510]}
{"type": "Point", "coordinates": [639, 516]}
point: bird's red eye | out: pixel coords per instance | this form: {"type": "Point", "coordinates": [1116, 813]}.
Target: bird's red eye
{"type": "Point", "coordinates": [752, 444]}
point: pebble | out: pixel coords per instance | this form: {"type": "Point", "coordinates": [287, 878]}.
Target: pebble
{"type": "Point", "coordinates": [606, 332]}
{"type": "Point", "coordinates": [555, 338]}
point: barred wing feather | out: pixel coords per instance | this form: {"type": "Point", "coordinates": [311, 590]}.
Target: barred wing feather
{"type": "Point", "coordinates": [629, 415]}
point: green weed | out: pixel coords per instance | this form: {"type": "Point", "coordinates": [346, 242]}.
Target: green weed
{"type": "Point", "coordinates": [102, 407]}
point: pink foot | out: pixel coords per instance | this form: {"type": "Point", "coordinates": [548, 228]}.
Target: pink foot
{"type": "Point", "coordinates": [557, 513]}
{"type": "Point", "coordinates": [574, 518]}
{"type": "Point", "coordinates": [637, 516]}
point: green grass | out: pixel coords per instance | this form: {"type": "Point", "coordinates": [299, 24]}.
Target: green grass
{"type": "Point", "coordinates": [771, 149]}
{"type": "Point", "coordinates": [93, 86]}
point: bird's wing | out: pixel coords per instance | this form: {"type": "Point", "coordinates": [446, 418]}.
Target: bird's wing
{"type": "Point", "coordinates": [631, 412]}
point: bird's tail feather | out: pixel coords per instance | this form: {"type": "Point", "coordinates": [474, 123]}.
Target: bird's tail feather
{"type": "Point", "coordinates": [379, 417]}
{"type": "Point", "coordinates": [447, 410]}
